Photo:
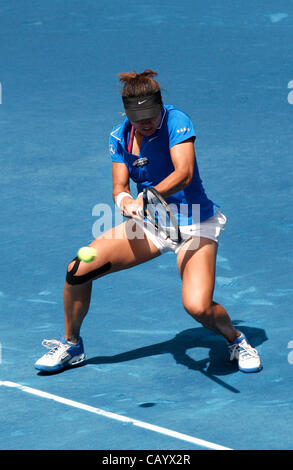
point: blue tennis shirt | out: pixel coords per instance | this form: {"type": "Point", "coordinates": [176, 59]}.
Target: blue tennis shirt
{"type": "Point", "coordinates": [154, 162]}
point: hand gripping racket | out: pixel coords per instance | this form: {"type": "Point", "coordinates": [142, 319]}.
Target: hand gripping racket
{"type": "Point", "coordinates": [159, 214]}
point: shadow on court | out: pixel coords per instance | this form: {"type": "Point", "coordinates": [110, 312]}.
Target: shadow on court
{"type": "Point", "coordinates": [216, 364]}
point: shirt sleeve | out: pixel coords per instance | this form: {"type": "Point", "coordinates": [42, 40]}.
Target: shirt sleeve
{"type": "Point", "coordinates": [180, 128]}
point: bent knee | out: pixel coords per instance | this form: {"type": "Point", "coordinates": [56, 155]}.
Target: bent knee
{"type": "Point", "coordinates": [77, 276]}
{"type": "Point", "coordinates": [71, 265]}
{"type": "Point", "coordinates": [199, 309]}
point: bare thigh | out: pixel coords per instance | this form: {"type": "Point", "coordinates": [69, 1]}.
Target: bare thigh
{"type": "Point", "coordinates": [197, 270]}
{"type": "Point", "coordinates": [118, 249]}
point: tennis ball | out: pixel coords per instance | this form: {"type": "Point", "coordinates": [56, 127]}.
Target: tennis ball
{"type": "Point", "coordinates": [87, 254]}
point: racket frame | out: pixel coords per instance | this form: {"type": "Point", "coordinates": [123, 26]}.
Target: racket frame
{"type": "Point", "coordinates": [168, 210]}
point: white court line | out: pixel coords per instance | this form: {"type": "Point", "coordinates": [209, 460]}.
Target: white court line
{"type": "Point", "coordinates": [117, 417]}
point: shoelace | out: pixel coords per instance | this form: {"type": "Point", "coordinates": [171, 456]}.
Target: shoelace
{"type": "Point", "coordinates": [244, 349]}
{"type": "Point", "coordinates": [54, 345]}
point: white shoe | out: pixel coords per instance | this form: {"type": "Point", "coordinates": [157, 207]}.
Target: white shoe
{"type": "Point", "coordinates": [247, 357]}
{"type": "Point", "coordinates": [61, 355]}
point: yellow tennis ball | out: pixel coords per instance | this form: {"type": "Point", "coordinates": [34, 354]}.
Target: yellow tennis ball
{"type": "Point", "coordinates": [87, 254]}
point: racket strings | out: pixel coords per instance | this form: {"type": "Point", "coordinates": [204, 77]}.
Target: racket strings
{"type": "Point", "coordinates": [160, 214]}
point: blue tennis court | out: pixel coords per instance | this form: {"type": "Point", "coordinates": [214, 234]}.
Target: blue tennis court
{"type": "Point", "coordinates": [154, 378]}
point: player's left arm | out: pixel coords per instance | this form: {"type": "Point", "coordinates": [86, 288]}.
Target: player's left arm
{"type": "Point", "coordinates": [183, 157]}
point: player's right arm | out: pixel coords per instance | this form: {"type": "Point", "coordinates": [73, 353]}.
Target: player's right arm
{"type": "Point", "coordinates": [120, 177]}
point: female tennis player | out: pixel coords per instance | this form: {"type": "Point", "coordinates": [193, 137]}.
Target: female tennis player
{"type": "Point", "coordinates": [154, 147]}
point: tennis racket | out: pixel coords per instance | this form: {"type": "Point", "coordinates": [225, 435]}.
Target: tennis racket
{"type": "Point", "coordinates": [157, 211]}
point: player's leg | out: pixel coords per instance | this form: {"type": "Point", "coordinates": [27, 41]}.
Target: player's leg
{"type": "Point", "coordinates": [116, 250]}
{"type": "Point", "coordinates": [197, 270]}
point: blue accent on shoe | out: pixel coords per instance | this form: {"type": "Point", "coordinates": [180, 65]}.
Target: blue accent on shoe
{"type": "Point", "coordinates": [239, 338]}
{"type": "Point", "coordinates": [78, 345]}
{"type": "Point", "coordinates": [74, 351]}
{"type": "Point", "coordinates": [252, 369]}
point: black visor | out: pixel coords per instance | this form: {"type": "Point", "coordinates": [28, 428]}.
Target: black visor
{"type": "Point", "coordinates": [143, 107]}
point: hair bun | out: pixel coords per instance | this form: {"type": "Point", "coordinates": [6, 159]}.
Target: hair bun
{"type": "Point", "coordinates": [125, 77]}
{"type": "Point", "coordinates": [148, 73]}
{"type": "Point", "coordinates": [139, 84]}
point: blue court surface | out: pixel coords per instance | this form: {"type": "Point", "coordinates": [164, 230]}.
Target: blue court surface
{"type": "Point", "coordinates": [154, 378]}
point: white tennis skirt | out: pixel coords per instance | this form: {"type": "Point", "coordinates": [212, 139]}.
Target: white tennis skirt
{"type": "Point", "coordinates": [210, 228]}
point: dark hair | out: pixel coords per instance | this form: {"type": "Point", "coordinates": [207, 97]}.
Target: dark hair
{"type": "Point", "coordinates": [139, 84]}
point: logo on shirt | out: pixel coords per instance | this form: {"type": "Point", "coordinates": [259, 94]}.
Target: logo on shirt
{"type": "Point", "coordinates": [112, 149]}
{"type": "Point", "coordinates": [183, 129]}
{"type": "Point", "coordinates": [140, 162]}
